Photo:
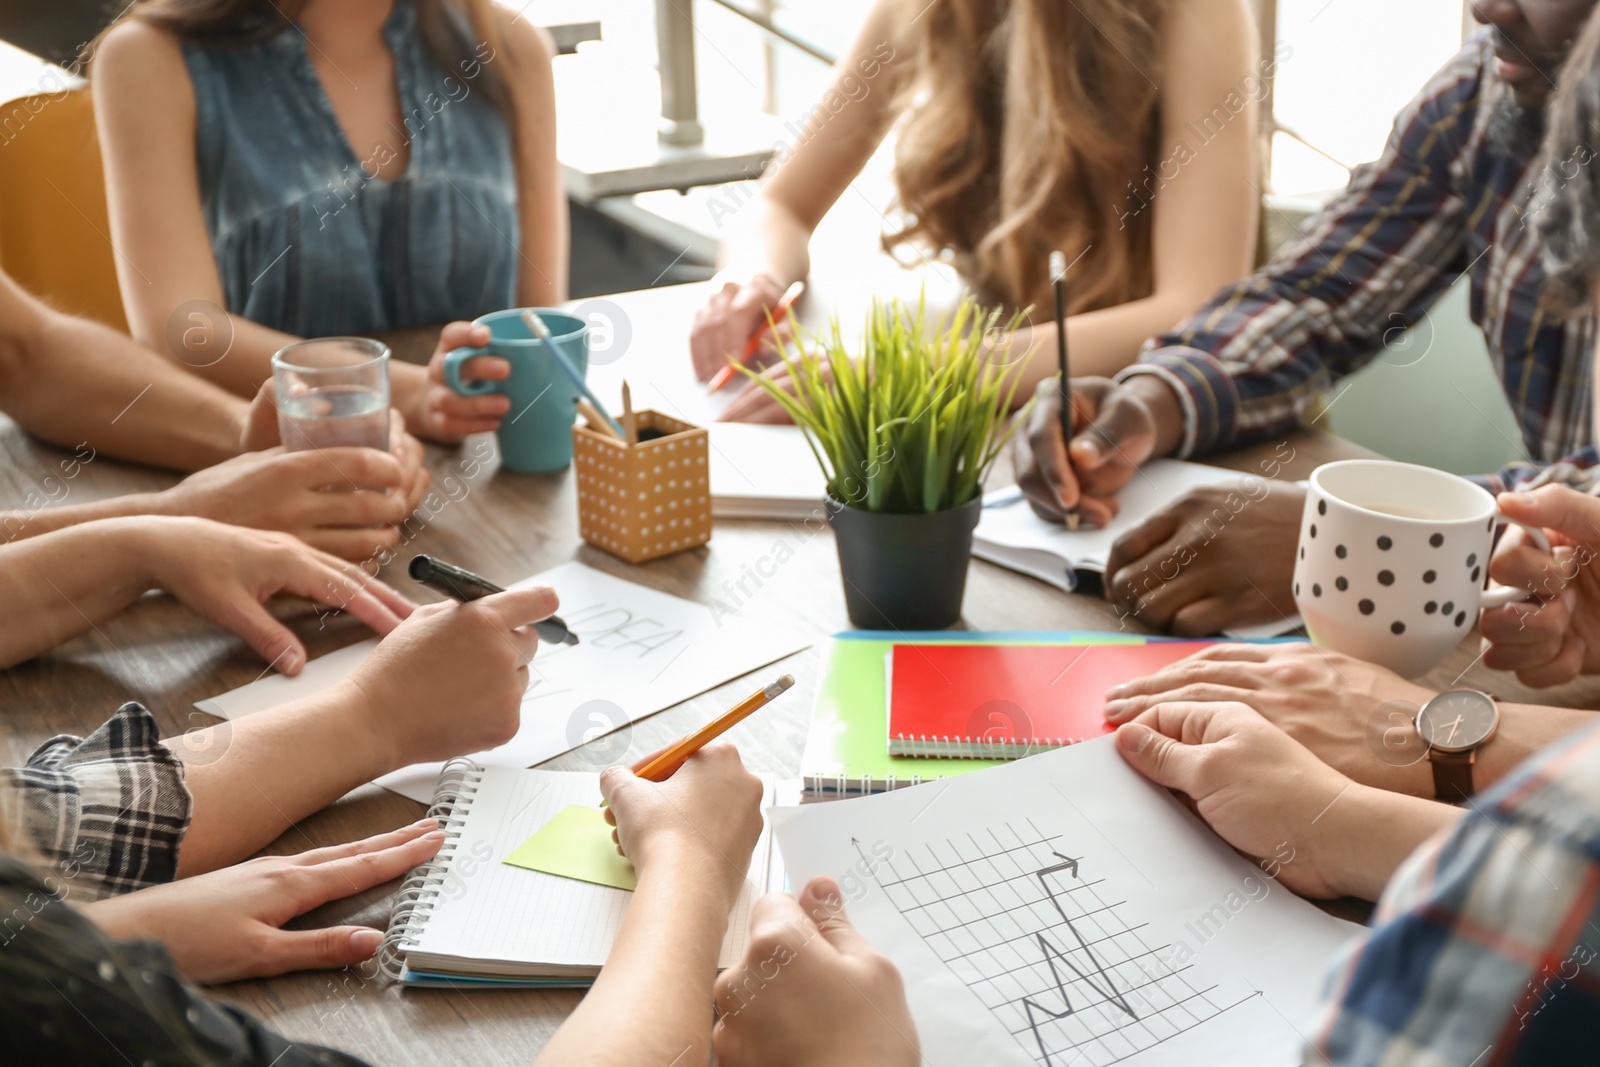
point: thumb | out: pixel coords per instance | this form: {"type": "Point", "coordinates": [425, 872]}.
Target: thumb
{"type": "Point", "coordinates": [824, 905]}
{"type": "Point", "coordinates": [269, 637]}
{"type": "Point", "coordinates": [326, 949]}
{"type": "Point", "coordinates": [1159, 758]}
{"type": "Point", "coordinates": [261, 421]}
{"type": "Point", "coordinates": [1553, 507]}
{"type": "Point", "coordinates": [1116, 431]}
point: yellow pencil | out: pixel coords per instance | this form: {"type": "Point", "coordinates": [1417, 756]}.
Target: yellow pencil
{"type": "Point", "coordinates": [662, 767]}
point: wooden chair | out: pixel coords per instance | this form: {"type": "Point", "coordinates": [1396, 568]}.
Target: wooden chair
{"type": "Point", "coordinates": [55, 238]}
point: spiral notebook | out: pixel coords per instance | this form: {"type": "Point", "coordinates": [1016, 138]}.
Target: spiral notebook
{"type": "Point", "coordinates": [467, 917]}
{"type": "Point", "coordinates": [1002, 701]}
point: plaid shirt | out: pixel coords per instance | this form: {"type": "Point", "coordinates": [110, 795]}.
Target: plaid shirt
{"type": "Point", "coordinates": [1442, 201]}
{"type": "Point", "coordinates": [1485, 949]}
{"type": "Point", "coordinates": [105, 812]}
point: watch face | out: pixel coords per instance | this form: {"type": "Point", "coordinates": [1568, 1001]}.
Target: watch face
{"type": "Point", "coordinates": [1457, 721]}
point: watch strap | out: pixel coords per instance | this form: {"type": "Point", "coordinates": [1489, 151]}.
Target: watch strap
{"type": "Point", "coordinates": [1452, 775]}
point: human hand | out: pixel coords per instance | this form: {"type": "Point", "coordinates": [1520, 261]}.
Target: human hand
{"type": "Point", "coordinates": [755, 404]}
{"type": "Point", "coordinates": [1116, 426]}
{"type": "Point", "coordinates": [261, 432]}
{"type": "Point", "coordinates": [444, 415]}
{"type": "Point", "coordinates": [450, 679]}
{"type": "Point", "coordinates": [707, 816]}
{"type": "Point", "coordinates": [333, 499]}
{"type": "Point", "coordinates": [1356, 717]}
{"type": "Point", "coordinates": [1260, 790]}
{"type": "Point", "coordinates": [723, 324]}
{"type": "Point", "coordinates": [1556, 636]}
{"type": "Point", "coordinates": [225, 925]}
{"type": "Point", "coordinates": [1236, 574]}
{"type": "Point", "coordinates": [811, 990]}
{"type": "Point", "coordinates": [226, 573]}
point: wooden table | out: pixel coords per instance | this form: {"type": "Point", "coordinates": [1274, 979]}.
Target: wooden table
{"type": "Point", "coordinates": [508, 526]}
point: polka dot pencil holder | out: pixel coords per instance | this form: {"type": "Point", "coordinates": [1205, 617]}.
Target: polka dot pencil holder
{"type": "Point", "coordinates": [647, 501]}
{"type": "Point", "coordinates": [1392, 560]}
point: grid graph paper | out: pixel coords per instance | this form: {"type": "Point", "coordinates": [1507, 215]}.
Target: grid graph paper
{"type": "Point", "coordinates": [1046, 946]}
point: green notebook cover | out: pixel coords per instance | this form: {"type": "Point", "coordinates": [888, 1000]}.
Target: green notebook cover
{"type": "Point", "coordinates": [847, 750]}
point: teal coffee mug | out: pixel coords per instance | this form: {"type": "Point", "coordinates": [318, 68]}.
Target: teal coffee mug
{"type": "Point", "coordinates": [536, 432]}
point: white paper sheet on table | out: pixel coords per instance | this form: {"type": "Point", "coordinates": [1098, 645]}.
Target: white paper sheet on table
{"type": "Point", "coordinates": [1061, 909]}
{"type": "Point", "coordinates": [1011, 535]}
{"type": "Point", "coordinates": [641, 652]}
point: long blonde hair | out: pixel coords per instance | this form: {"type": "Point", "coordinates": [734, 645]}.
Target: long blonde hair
{"type": "Point", "coordinates": [1024, 121]}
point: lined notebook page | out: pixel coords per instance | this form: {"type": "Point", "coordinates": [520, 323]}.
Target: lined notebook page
{"type": "Point", "coordinates": [490, 918]}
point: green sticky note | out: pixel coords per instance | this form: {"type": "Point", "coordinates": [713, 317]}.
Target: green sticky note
{"type": "Point", "coordinates": [576, 844]}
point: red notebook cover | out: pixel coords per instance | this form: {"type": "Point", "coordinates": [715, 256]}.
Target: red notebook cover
{"type": "Point", "coordinates": [1007, 700]}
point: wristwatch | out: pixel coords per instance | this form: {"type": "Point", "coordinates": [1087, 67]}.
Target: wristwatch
{"type": "Point", "coordinates": [1454, 725]}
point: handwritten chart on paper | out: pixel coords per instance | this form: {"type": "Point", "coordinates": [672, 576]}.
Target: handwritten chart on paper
{"type": "Point", "coordinates": [1043, 913]}
{"type": "Point", "coordinates": [640, 651]}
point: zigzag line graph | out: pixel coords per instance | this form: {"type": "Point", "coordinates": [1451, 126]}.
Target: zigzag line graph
{"type": "Point", "coordinates": [1043, 947]}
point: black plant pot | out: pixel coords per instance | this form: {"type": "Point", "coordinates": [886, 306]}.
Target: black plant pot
{"type": "Point", "coordinates": [904, 572]}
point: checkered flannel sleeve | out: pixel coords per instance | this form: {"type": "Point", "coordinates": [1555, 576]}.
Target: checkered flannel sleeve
{"type": "Point", "coordinates": [1486, 946]}
{"type": "Point", "coordinates": [107, 812]}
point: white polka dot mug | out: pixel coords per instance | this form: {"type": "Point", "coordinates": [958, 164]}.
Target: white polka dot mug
{"type": "Point", "coordinates": [1391, 562]}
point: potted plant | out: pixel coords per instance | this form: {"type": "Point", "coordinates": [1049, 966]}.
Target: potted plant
{"type": "Point", "coordinates": [905, 431]}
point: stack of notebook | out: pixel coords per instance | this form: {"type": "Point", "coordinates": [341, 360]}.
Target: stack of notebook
{"type": "Point", "coordinates": [897, 710]}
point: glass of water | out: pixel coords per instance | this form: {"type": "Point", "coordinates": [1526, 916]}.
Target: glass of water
{"type": "Point", "coordinates": [333, 392]}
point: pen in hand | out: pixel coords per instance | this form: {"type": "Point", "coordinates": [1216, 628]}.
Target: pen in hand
{"type": "Point", "coordinates": [1058, 282]}
{"type": "Point", "coordinates": [463, 585]}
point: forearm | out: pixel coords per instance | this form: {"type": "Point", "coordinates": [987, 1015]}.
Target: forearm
{"type": "Point", "coordinates": [652, 1001]}
{"type": "Point", "coordinates": [58, 587]}
{"type": "Point", "coordinates": [22, 523]}
{"type": "Point", "coordinates": [85, 383]}
{"type": "Point", "coordinates": [1524, 730]}
{"type": "Point", "coordinates": [1364, 835]}
{"type": "Point", "coordinates": [777, 244]}
{"type": "Point", "coordinates": [254, 777]}
{"type": "Point", "coordinates": [1100, 343]}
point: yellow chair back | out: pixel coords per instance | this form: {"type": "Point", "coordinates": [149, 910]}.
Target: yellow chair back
{"type": "Point", "coordinates": [55, 238]}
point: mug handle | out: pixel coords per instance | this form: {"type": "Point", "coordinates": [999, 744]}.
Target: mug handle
{"type": "Point", "coordinates": [1498, 596]}
{"type": "Point", "coordinates": [452, 372]}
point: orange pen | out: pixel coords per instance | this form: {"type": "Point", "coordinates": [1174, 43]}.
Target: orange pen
{"type": "Point", "coordinates": [753, 345]}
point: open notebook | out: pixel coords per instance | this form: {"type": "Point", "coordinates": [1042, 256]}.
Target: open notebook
{"type": "Point", "coordinates": [764, 472]}
{"type": "Point", "coordinates": [467, 917]}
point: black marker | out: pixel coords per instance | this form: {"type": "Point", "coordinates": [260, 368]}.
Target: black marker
{"type": "Point", "coordinates": [462, 584]}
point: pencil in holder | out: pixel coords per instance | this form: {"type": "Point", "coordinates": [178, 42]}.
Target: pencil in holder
{"type": "Point", "coordinates": [648, 500]}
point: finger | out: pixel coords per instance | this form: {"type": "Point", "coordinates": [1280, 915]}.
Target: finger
{"type": "Point", "coordinates": [1205, 617]}
{"type": "Point", "coordinates": [1517, 628]}
{"type": "Point", "coordinates": [1159, 757]}
{"type": "Point", "coordinates": [346, 876]}
{"type": "Point", "coordinates": [1191, 671]}
{"type": "Point", "coordinates": [447, 404]}
{"type": "Point", "coordinates": [332, 587]}
{"type": "Point", "coordinates": [1554, 507]}
{"type": "Point", "coordinates": [1563, 668]}
{"type": "Point", "coordinates": [525, 604]}
{"type": "Point", "coordinates": [269, 637]}
{"type": "Point", "coordinates": [355, 508]}
{"type": "Point", "coordinates": [777, 915]}
{"type": "Point", "coordinates": [375, 843]}
{"type": "Point", "coordinates": [644, 761]}
{"type": "Point", "coordinates": [824, 903]}
{"type": "Point", "coordinates": [346, 468]}
{"type": "Point", "coordinates": [261, 421]}
{"type": "Point", "coordinates": [457, 334]}
{"type": "Point", "coordinates": [354, 545]}
{"type": "Point", "coordinates": [311, 950]}
{"type": "Point", "coordinates": [1242, 651]}
{"type": "Point", "coordinates": [1119, 431]}
{"type": "Point", "coordinates": [447, 429]}
{"type": "Point", "coordinates": [1523, 566]}
{"type": "Point", "coordinates": [487, 368]}
{"type": "Point", "coordinates": [1051, 464]}
{"type": "Point", "coordinates": [1127, 708]}
{"type": "Point", "coordinates": [1159, 531]}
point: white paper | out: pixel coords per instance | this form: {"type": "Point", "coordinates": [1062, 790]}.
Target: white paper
{"type": "Point", "coordinates": [1066, 885]}
{"type": "Point", "coordinates": [641, 652]}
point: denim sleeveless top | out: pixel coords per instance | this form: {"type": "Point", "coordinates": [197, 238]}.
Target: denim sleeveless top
{"type": "Point", "coordinates": [305, 241]}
